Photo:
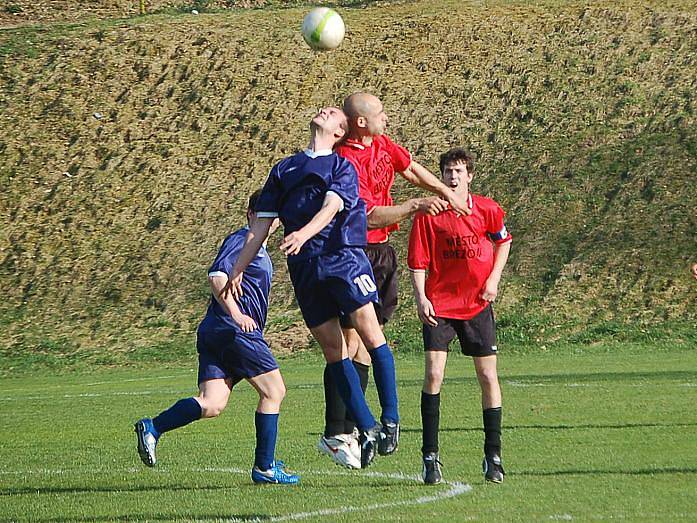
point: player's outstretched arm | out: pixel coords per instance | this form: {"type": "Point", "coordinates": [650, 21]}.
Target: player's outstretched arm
{"type": "Point", "coordinates": [491, 286]}
{"type": "Point", "coordinates": [258, 232]}
{"type": "Point", "coordinates": [386, 215]}
{"type": "Point", "coordinates": [424, 307]}
{"type": "Point", "coordinates": [294, 241]}
{"type": "Point", "coordinates": [217, 284]}
{"type": "Point", "coordinates": [418, 175]}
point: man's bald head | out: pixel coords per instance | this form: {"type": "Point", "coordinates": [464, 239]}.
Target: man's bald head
{"type": "Point", "coordinates": [365, 114]}
{"type": "Point", "coordinates": [361, 104]}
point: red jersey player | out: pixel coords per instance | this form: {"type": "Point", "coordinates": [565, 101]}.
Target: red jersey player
{"type": "Point", "coordinates": [377, 159]}
{"type": "Point", "coordinates": [456, 263]}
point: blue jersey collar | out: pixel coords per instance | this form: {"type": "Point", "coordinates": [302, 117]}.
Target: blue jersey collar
{"type": "Point", "coordinates": [316, 154]}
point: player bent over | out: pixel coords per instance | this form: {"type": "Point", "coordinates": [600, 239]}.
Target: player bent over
{"type": "Point", "coordinates": [464, 257]}
{"type": "Point", "coordinates": [315, 194]}
{"type": "Point", "coordinates": [231, 348]}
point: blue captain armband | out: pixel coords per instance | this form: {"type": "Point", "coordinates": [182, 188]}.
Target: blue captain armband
{"type": "Point", "coordinates": [500, 236]}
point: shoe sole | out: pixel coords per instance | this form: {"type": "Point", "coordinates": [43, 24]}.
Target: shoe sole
{"type": "Point", "coordinates": [272, 482]}
{"type": "Point", "coordinates": [433, 482]}
{"type": "Point", "coordinates": [139, 429]}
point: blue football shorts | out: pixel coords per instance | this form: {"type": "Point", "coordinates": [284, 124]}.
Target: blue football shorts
{"type": "Point", "coordinates": [233, 354]}
{"type": "Point", "coordinates": [333, 285]}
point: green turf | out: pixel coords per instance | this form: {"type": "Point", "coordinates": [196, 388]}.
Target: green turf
{"type": "Point", "coordinates": [590, 435]}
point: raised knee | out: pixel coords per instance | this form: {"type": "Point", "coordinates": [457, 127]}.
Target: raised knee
{"type": "Point", "coordinates": [211, 409]}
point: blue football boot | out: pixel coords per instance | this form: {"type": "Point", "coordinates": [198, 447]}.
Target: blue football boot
{"type": "Point", "coordinates": [147, 441]}
{"type": "Point", "coordinates": [275, 475]}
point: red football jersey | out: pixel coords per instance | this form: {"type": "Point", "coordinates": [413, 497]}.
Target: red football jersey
{"type": "Point", "coordinates": [376, 165]}
{"type": "Point", "coordinates": [458, 253]}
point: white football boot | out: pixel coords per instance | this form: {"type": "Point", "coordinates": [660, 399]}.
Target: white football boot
{"type": "Point", "coordinates": [339, 448]}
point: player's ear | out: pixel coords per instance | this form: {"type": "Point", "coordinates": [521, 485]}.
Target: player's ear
{"type": "Point", "coordinates": [361, 122]}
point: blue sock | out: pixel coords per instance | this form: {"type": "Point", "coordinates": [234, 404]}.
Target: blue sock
{"type": "Point", "coordinates": [349, 385]}
{"type": "Point", "coordinates": [181, 413]}
{"type": "Point", "coordinates": [385, 382]}
{"type": "Point", "coordinates": [267, 432]}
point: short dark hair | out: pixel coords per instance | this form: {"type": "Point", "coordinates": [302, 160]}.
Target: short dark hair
{"type": "Point", "coordinates": [458, 154]}
{"type": "Point", "coordinates": [253, 199]}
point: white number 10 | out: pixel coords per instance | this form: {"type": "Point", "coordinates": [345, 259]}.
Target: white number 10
{"type": "Point", "coordinates": [365, 284]}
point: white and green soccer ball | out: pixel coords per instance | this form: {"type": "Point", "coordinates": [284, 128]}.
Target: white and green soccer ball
{"type": "Point", "coordinates": [323, 29]}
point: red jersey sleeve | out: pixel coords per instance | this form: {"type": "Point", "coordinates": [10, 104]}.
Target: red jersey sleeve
{"type": "Point", "coordinates": [495, 226]}
{"type": "Point", "coordinates": [401, 158]}
{"type": "Point", "coordinates": [419, 256]}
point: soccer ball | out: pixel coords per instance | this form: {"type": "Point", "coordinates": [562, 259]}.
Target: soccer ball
{"type": "Point", "coordinates": [323, 29]}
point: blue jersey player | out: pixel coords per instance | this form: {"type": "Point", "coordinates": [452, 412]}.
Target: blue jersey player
{"type": "Point", "coordinates": [231, 348]}
{"type": "Point", "coordinates": [315, 195]}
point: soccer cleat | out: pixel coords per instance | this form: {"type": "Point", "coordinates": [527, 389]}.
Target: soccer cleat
{"type": "Point", "coordinates": [431, 471]}
{"type": "Point", "coordinates": [342, 449]}
{"type": "Point", "coordinates": [389, 439]}
{"type": "Point", "coordinates": [276, 475]}
{"type": "Point", "coordinates": [147, 441]}
{"type": "Point", "coordinates": [368, 441]}
{"type": "Point", "coordinates": [354, 445]}
{"type": "Point", "coordinates": [493, 469]}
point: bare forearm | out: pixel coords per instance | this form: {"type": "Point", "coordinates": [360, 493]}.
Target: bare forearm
{"type": "Point", "coordinates": [418, 175]}
{"type": "Point", "coordinates": [418, 283]}
{"type": "Point", "coordinates": [320, 220]}
{"type": "Point", "coordinates": [384, 216]}
{"type": "Point", "coordinates": [217, 284]}
{"type": "Point", "coordinates": [255, 238]}
{"type": "Point", "coordinates": [500, 259]}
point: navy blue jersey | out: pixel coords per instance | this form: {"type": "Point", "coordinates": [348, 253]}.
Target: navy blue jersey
{"type": "Point", "coordinates": [256, 284]}
{"type": "Point", "coordinates": [295, 192]}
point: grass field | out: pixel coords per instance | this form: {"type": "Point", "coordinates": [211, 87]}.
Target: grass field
{"type": "Point", "coordinates": [597, 434]}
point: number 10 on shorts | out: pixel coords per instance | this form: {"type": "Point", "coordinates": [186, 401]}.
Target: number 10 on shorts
{"type": "Point", "coordinates": [365, 284]}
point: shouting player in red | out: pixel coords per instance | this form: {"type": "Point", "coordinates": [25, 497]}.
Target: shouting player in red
{"type": "Point", "coordinates": [464, 257]}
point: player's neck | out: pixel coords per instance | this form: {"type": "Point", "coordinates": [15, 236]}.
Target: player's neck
{"type": "Point", "coordinates": [462, 191]}
{"type": "Point", "coordinates": [366, 140]}
{"type": "Point", "coordinates": [321, 142]}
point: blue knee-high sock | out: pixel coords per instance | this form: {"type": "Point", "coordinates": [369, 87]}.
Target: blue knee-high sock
{"type": "Point", "coordinates": [349, 385]}
{"type": "Point", "coordinates": [267, 432]}
{"type": "Point", "coordinates": [181, 413]}
{"type": "Point", "coordinates": [385, 382]}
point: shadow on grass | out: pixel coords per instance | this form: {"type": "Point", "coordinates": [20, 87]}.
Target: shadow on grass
{"type": "Point", "coordinates": [563, 427]}
{"type": "Point", "coordinates": [100, 488]}
{"type": "Point", "coordinates": [562, 379]}
{"type": "Point", "coordinates": [162, 517]}
{"type": "Point", "coordinates": [615, 472]}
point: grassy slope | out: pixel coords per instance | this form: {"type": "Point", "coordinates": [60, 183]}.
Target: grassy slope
{"type": "Point", "coordinates": [582, 441]}
{"type": "Point", "coordinates": [582, 115]}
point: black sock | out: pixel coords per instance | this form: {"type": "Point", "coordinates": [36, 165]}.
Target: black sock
{"type": "Point", "coordinates": [334, 408]}
{"type": "Point", "coordinates": [363, 374]}
{"type": "Point", "coordinates": [492, 431]}
{"type": "Point", "coordinates": [430, 419]}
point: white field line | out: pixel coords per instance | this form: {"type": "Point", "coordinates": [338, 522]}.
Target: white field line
{"type": "Point", "coordinates": [95, 383]}
{"type": "Point", "coordinates": [44, 398]}
{"type": "Point", "coordinates": [456, 489]}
